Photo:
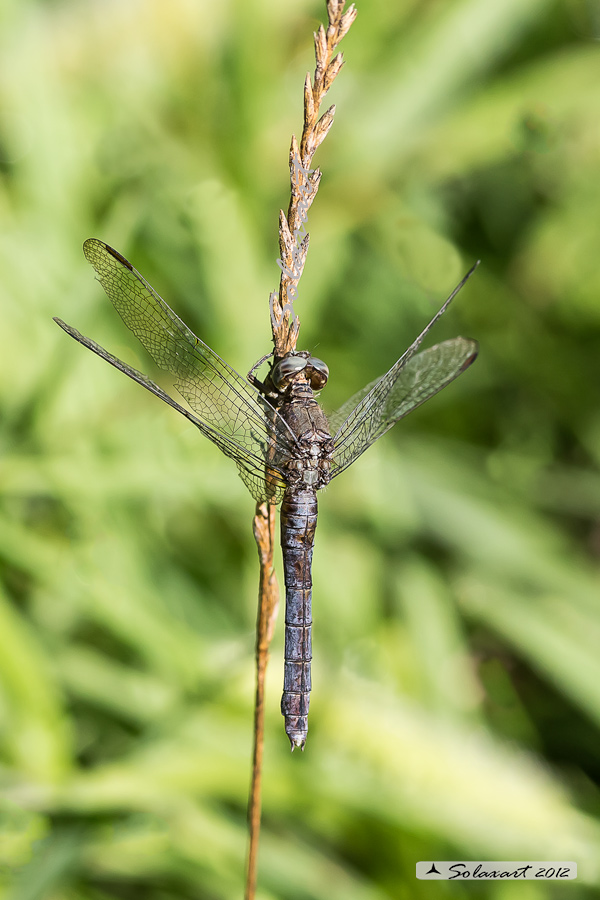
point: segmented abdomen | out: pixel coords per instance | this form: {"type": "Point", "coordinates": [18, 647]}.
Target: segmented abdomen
{"type": "Point", "coordinates": [298, 524]}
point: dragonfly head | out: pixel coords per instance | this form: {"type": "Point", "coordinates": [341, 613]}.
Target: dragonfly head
{"type": "Point", "coordinates": [287, 369]}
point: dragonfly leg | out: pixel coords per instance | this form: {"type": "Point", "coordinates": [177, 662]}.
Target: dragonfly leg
{"type": "Point", "coordinates": [252, 377]}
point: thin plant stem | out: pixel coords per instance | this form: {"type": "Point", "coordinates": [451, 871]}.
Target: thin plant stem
{"type": "Point", "coordinates": [268, 602]}
{"type": "Point", "coordinates": [293, 247]}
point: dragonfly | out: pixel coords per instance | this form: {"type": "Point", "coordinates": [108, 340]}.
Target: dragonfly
{"type": "Point", "coordinates": [285, 448]}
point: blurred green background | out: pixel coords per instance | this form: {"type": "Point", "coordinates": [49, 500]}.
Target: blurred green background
{"type": "Point", "coordinates": [456, 699]}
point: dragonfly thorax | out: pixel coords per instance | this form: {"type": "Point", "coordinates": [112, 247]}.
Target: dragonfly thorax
{"type": "Point", "coordinates": [311, 461]}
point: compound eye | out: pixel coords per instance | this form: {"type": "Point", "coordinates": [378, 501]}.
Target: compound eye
{"type": "Point", "coordinates": [319, 373]}
{"type": "Point", "coordinates": [287, 367]}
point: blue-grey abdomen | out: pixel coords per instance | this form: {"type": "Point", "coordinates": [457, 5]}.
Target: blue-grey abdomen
{"type": "Point", "coordinates": [298, 525]}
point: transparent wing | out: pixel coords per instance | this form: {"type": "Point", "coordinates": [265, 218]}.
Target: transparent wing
{"type": "Point", "coordinates": [232, 412]}
{"type": "Point", "coordinates": [412, 380]}
{"type": "Point", "coordinates": [251, 467]}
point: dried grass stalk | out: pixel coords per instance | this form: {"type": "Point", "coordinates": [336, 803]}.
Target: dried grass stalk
{"type": "Point", "coordinates": [304, 181]}
{"type": "Point", "coordinates": [293, 247]}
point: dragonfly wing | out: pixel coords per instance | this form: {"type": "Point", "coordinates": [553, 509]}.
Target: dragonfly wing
{"type": "Point", "coordinates": [223, 400]}
{"type": "Point", "coordinates": [397, 393]}
{"type": "Point", "coordinates": [412, 380]}
{"type": "Point", "coordinates": [337, 419]}
{"type": "Point", "coordinates": [251, 466]}
{"type": "Point", "coordinates": [217, 393]}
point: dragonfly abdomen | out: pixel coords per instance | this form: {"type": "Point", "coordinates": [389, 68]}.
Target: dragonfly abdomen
{"type": "Point", "coordinates": [298, 525]}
